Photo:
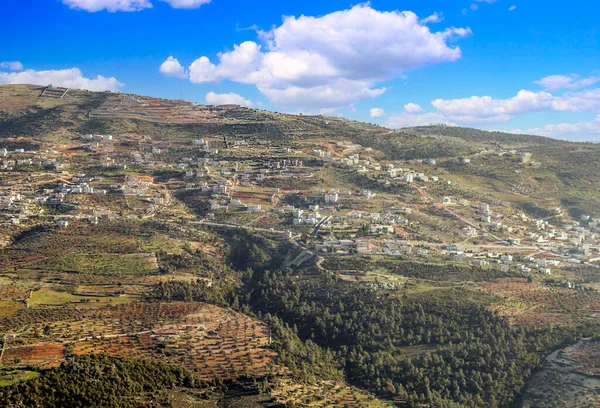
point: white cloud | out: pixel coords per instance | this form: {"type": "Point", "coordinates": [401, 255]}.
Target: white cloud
{"type": "Point", "coordinates": [486, 1]}
{"type": "Point", "coordinates": [202, 70]}
{"type": "Point", "coordinates": [333, 60]}
{"type": "Point", "coordinates": [110, 5]}
{"type": "Point", "coordinates": [12, 65]}
{"type": "Point", "coordinates": [172, 67]}
{"type": "Point", "coordinates": [329, 112]}
{"type": "Point", "coordinates": [556, 82]}
{"type": "Point", "coordinates": [70, 78]}
{"type": "Point", "coordinates": [500, 110]}
{"type": "Point", "coordinates": [413, 108]}
{"type": "Point", "coordinates": [376, 112]}
{"type": "Point", "coordinates": [478, 110]}
{"type": "Point", "coordinates": [227, 99]}
{"type": "Point", "coordinates": [342, 92]}
{"type": "Point", "coordinates": [253, 27]}
{"type": "Point", "coordinates": [186, 4]}
{"type": "Point", "coordinates": [434, 18]}
{"type": "Point", "coordinates": [474, 7]}
{"type": "Point", "coordinates": [512, 8]}
{"type": "Point", "coordinates": [587, 130]}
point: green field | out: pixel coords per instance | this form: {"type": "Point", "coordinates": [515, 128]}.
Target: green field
{"type": "Point", "coordinates": [49, 297]}
{"type": "Point", "coordinates": [9, 377]}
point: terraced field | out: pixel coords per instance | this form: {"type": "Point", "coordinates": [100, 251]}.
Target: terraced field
{"type": "Point", "coordinates": [530, 303]}
{"type": "Point", "coordinates": [212, 341]}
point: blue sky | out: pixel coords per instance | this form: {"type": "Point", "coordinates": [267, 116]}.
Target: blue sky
{"type": "Point", "coordinates": [513, 65]}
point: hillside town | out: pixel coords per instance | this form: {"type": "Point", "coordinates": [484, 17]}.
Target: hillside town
{"type": "Point", "coordinates": [338, 199]}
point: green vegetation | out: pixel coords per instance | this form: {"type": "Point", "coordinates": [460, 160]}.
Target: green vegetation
{"type": "Point", "coordinates": [164, 273]}
{"type": "Point", "coordinates": [48, 297]}
{"type": "Point", "coordinates": [9, 308]}
{"type": "Point", "coordinates": [97, 381]}
{"type": "Point", "coordinates": [437, 272]}
{"type": "Point", "coordinates": [10, 377]}
{"type": "Point", "coordinates": [443, 351]}
{"type": "Point", "coordinates": [478, 361]}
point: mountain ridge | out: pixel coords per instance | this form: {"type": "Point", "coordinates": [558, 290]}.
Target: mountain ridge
{"type": "Point", "coordinates": [431, 131]}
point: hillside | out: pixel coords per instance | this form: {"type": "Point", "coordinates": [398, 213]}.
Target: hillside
{"type": "Point", "coordinates": [564, 173]}
{"type": "Point", "coordinates": [259, 259]}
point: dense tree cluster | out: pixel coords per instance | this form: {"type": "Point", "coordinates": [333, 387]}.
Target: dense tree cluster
{"type": "Point", "coordinates": [97, 381]}
{"type": "Point", "coordinates": [306, 359]}
{"type": "Point", "coordinates": [419, 270]}
{"type": "Point", "coordinates": [469, 357]}
{"type": "Point", "coordinates": [217, 292]}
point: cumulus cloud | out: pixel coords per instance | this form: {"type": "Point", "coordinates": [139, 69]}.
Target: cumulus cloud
{"type": "Point", "coordinates": [333, 60]}
{"type": "Point", "coordinates": [110, 5]}
{"type": "Point", "coordinates": [586, 130]}
{"type": "Point", "coordinates": [12, 65]}
{"type": "Point", "coordinates": [186, 4]}
{"type": "Point", "coordinates": [339, 93]}
{"type": "Point", "coordinates": [69, 78]}
{"type": "Point", "coordinates": [556, 82]}
{"type": "Point", "coordinates": [512, 8]}
{"type": "Point", "coordinates": [376, 112]}
{"type": "Point", "coordinates": [479, 110]}
{"type": "Point", "coordinates": [434, 18]}
{"type": "Point", "coordinates": [413, 108]}
{"type": "Point", "coordinates": [501, 110]}
{"type": "Point", "coordinates": [227, 99]}
{"type": "Point", "coordinates": [172, 67]}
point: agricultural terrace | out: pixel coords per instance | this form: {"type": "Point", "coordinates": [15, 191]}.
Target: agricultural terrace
{"type": "Point", "coordinates": [214, 342]}
{"type": "Point", "coordinates": [527, 303]}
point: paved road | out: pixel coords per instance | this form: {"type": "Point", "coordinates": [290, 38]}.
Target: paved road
{"type": "Point", "coordinates": [319, 224]}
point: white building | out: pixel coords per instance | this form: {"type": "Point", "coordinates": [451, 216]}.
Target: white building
{"type": "Point", "coordinates": [331, 197]}
{"type": "Point", "coordinates": [469, 231]}
{"type": "Point", "coordinates": [367, 193]}
{"type": "Point", "coordinates": [484, 208]}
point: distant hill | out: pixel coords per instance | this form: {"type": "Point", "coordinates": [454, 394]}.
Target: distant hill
{"type": "Point", "coordinates": [478, 135]}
